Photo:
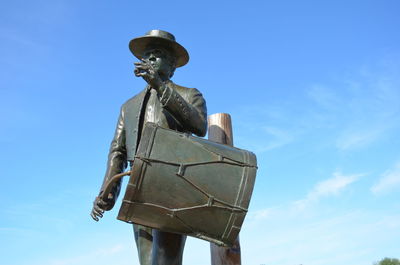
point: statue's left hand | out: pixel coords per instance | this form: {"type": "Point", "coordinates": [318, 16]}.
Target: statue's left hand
{"type": "Point", "coordinates": [98, 209]}
{"type": "Point", "coordinates": [147, 72]}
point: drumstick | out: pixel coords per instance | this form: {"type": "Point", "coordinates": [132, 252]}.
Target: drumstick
{"type": "Point", "coordinates": [110, 184]}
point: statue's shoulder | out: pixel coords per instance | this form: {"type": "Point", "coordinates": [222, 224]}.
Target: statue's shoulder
{"type": "Point", "coordinates": [136, 99]}
{"type": "Point", "coordinates": [185, 89]}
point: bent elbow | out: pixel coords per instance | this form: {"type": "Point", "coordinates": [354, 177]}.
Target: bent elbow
{"type": "Point", "coordinates": [201, 129]}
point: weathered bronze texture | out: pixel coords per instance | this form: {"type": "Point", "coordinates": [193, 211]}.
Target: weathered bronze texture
{"type": "Point", "coordinates": [179, 184]}
{"type": "Point", "coordinates": [166, 104]}
{"type": "Point", "coordinates": [184, 184]}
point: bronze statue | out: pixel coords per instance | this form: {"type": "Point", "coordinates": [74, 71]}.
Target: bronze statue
{"type": "Point", "coordinates": [166, 104]}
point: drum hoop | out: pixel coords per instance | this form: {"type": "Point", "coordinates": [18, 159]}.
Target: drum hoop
{"type": "Point", "coordinates": [136, 177]}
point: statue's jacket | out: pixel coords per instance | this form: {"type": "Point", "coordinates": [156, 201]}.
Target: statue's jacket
{"type": "Point", "coordinates": [179, 108]}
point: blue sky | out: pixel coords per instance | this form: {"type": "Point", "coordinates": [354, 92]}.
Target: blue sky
{"type": "Point", "coordinates": [313, 88]}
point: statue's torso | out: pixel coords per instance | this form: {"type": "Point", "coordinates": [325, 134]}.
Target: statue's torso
{"type": "Point", "coordinates": [146, 107]}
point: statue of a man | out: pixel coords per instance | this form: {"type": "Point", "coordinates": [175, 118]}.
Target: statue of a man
{"type": "Point", "coordinates": [166, 104]}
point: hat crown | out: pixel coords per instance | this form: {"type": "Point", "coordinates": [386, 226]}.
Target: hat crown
{"type": "Point", "coordinates": [161, 34]}
{"type": "Point", "coordinates": [159, 38]}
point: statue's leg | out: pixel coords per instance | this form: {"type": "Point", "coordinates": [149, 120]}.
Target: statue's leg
{"type": "Point", "coordinates": [167, 248]}
{"type": "Point", "coordinates": [144, 243]}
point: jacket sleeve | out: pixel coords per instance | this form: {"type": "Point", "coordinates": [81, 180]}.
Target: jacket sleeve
{"type": "Point", "coordinates": [190, 113]}
{"type": "Point", "coordinates": [116, 158]}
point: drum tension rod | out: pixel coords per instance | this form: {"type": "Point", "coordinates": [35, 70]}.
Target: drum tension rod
{"type": "Point", "coordinates": [181, 170]}
{"type": "Point", "coordinates": [210, 201]}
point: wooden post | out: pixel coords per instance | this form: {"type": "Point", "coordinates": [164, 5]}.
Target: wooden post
{"type": "Point", "coordinates": [220, 130]}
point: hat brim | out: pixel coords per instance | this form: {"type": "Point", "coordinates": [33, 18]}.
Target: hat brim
{"type": "Point", "coordinates": [139, 45]}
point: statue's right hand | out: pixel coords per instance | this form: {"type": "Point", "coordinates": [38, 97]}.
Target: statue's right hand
{"type": "Point", "coordinates": [98, 209]}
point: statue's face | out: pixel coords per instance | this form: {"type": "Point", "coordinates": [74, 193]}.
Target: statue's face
{"type": "Point", "coordinates": [161, 60]}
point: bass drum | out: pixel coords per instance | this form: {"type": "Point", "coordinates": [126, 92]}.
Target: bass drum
{"type": "Point", "coordinates": [189, 185]}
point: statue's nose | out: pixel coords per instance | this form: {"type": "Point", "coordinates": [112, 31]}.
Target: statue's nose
{"type": "Point", "coordinates": [152, 57]}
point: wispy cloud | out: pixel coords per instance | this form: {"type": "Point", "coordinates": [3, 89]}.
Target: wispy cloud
{"type": "Point", "coordinates": [278, 137]}
{"type": "Point", "coordinates": [389, 181]}
{"type": "Point", "coordinates": [324, 96]}
{"type": "Point", "coordinates": [348, 113]}
{"type": "Point", "coordinates": [358, 138]}
{"type": "Point", "coordinates": [360, 108]}
{"type": "Point", "coordinates": [320, 234]}
{"type": "Point", "coordinates": [328, 187]}
{"type": "Point", "coordinates": [261, 214]}
{"type": "Point", "coordinates": [352, 237]}
{"type": "Point", "coordinates": [261, 129]}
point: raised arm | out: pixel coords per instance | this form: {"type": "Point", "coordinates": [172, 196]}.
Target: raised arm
{"type": "Point", "coordinates": [188, 107]}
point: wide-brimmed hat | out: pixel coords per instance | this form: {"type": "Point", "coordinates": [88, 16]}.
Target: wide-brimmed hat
{"type": "Point", "coordinates": [160, 38]}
